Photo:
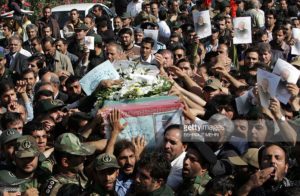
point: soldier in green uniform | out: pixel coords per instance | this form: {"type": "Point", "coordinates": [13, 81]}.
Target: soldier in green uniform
{"type": "Point", "coordinates": [9, 183]}
{"type": "Point", "coordinates": [26, 158]}
{"type": "Point", "coordinates": [198, 159]}
{"type": "Point", "coordinates": [7, 141]}
{"type": "Point", "coordinates": [69, 155]}
{"type": "Point", "coordinates": [106, 170]}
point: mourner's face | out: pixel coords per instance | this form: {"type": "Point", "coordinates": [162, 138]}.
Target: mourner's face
{"type": "Point", "coordinates": [258, 132]}
{"type": "Point", "coordinates": [27, 165]}
{"type": "Point", "coordinates": [9, 97]}
{"type": "Point", "coordinates": [31, 33]}
{"type": "Point", "coordinates": [47, 13]}
{"type": "Point", "coordinates": [144, 182]}
{"type": "Point", "coordinates": [274, 156]}
{"type": "Point", "coordinates": [118, 23]}
{"type": "Point", "coordinates": [107, 178]}
{"type": "Point", "coordinates": [126, 39]}
{"type": "Point", "coordinates": [30, 79]}
{"type": "Point", "coordinates": [126, 160]}
{"type": "Point", "coordinates": [41, 139]}
{"type": "Point", "coordinates": [192, 164]}
{"type": "Point", "coordinates": [15, 46]}
{"type": "Point", "coordinates": [146, 50]}
{"type": "Point", "coordinates": [173, 145]}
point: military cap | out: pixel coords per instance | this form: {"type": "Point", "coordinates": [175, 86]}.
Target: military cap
{"type": "Point", "coordinates": [213, 83]}
{"type": "Point", "coordinates": [9, 135]}
{"type": "Point", "coordinates": [125, 15]}
{"type": "Point", "coordinates": [98, 39]}
{"type": "Point", "coordinates": [81, 26]}
{"type": "Point", "coordinates": [105, 161]}
{"type": "Point", "coordinates": [69, 143]}
{"type": "Point", "coordinates": [26, 146]}
{"type": "Point", "coordinates": [7, 178]}
{"type": "Point", "coordinates": [47, 105]}
{"type": "Point", "coordinates": [248, 158]}
{"type": "Point", "coordinates": [205, 151]}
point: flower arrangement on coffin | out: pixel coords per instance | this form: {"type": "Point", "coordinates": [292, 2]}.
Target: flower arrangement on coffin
{"type": "Point", "coordinates": [136, 83]}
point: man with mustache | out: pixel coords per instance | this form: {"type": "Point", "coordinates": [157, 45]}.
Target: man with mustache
{"type": "Point", "coordinates": [273, 163]}
{"type": "Point", "coordinates": [174, 150]}
{"type": "Point", "coordinates": [198, 159]}
{"type": "Point", "coordinates": [125, 153]}
{"type": "Point", "coordinates": [152, 173]}
{"type": "Point", "coordinates": [106, 170]}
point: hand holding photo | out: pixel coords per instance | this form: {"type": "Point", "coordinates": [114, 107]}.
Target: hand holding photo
{"type": "Point", "coordinates": [242, 30]}
{"type": "Point", "coordinates": [89, 42]}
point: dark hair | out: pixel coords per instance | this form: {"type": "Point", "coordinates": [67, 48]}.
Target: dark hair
{"type": "Point", "coordinates": [125, 31]}
{"type": "Point", "coordinates": [48, 39]}
{"type": "Point", "coordinates": [6, 86]}
{"type": "Point", "coordinates": [46, 7]}
{"type": "Point", "coordinates": [27, 71]}
{"type": "Point", "coordinates": [270, 12]}
{"type": "Point", "coordinates": [252, 49]}
{"type": "Point", "coordinates": [185, 60]}
{"type": "Point", "coordinates": [71, 80]}
{"type": "Point", "coordinates": [268, 145]}
{"type": "Point", "coordinates": [31, 127]}
{"type": "Point", "coordinates": [157, 164]}
{"type": "Point", "coordinates": [39, 41]}
{"type": "Point", "coordinates": [63, 40]}
{"type": "Point", "coordinates": [10, 117]}
{"type": "Point", "coordinates": [148, 40]}
{"type": "Point", "coordinates": [123, 145]}
{"type": "Point", "coordinates": [9, 27]}
{"type": "Point", "coordinates": [72, 10]}
{"type": "Point", "coordinates": [174, 126]}
{"type": "Point", "coordinates": [220, 184]}
{"type": "Point", "coordinates": [162, 14]}
{"type": "Point", "coordinates": [39, 57]}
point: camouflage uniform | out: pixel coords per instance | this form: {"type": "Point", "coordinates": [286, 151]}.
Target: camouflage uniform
{"type": "Point", "coordinates": [70, 144]}
{"type": "Point", "coordinates": [55, 182]}
{"type": "Point", "coordinates": [26, 147]}
{"type": "Point", "coordinates": [194, 186]}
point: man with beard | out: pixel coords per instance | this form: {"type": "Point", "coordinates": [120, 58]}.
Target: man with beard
{"type": "Point", "coordinates": [198, 159]}
{"type": "Point", "coordinates": [74, 89]}
{"type": "Point", "coordinates": [30, 78]}
{"type": "Point", "coordinates": [152, 173]}
{"type": "Point", "coordinates": [278, 43]}
{"type": "Point", "coordinates": [125, 153]}
{"type": "Point", "coordinates": [273, 162]}
{"type": "Point", "coordinates": [174, 151]}
{"type": "Point", "coordinates": [56, 61]}
{"type": "Point", "coordinates": [70, 155]}
{"type": "Point", "coordinates": [51, 108]}
{"type": "Point", "coordinates": [48, 20]}
{"type": "Point", "coordinates": [127, 41]}
{"type": "Point", "coordinates": [106, 170]}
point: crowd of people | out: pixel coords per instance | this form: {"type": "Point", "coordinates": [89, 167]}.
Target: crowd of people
{"type": "Point", "coordinates": [52, 144]}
